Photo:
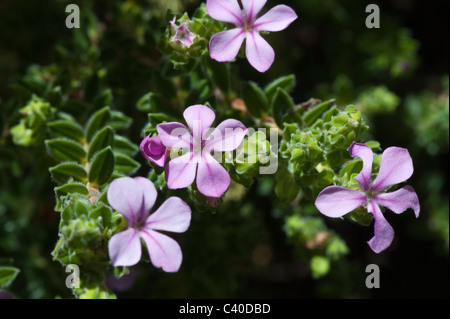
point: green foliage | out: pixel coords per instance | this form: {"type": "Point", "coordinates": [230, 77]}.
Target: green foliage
{"type": "Point", "coordinates": [315, 154]}
{"type": "Point", "coordinates": [7, 275]}
{"type": "Point", "coordinates": [31, 129]}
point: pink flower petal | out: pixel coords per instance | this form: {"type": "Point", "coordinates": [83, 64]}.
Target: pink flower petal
{"type": "Point", "coordinates": [276, 19]}
{"type": "Point", "coordinates": [259, 53]}
{"type": "Point", "coordinates": [227, 136]}
{"type": "Point", "coordinates": [173, 215]}
{"type": "Point", "coordinates": [174, 135]}
{"type": "Point", "coordinates": [150, 194]}
{"type": "Point", "coordinates": [212, 178]}
{"type": "Point", "coordinates": [364, 152]}
{"type": "Point", "coordinates": [224, 46]}
{"type": "Point", "coordinates": [164, 252]}
{"type": "Point", "coordinates": [199, 118]}
{"type": "Point", "coordinates": [180, 171]}
{"type": "Point", "coordinates": [252, 8]}
{"type": "Point", "coordinates": [396, 166]}
{"type": "Point", "coordinates": [384, 233]}
{"type": "Point", "coordinates": [226, 11]}
{"type": "Point", "coordinates": [400, 200]}
{"type": "Point", "coordinates": [125, 248]}
{"type": "Point", "coordinates": [336, 201]}
{"type": "Point", "coordinates": [125, 196]}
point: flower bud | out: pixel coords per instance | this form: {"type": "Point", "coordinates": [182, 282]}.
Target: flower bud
{"type": "Point", "coordinates": [153, 150]}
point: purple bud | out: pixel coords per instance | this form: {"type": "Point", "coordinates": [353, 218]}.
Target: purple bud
{"type": "Point", "coordinates": [153, 150]}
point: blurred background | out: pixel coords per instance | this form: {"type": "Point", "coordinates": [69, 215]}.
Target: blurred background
{"type": "Point", "coordinates": [396, 75]}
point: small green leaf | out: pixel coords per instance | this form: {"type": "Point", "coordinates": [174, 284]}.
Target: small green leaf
{"type": "Point", "coordinates": [7, 275]}
{"type": "Point", "coordinates": [374, 145]}
{"type": "Point", "coordinates": [283, 108]}
{"type": "Point", "coordinates": [61, 173]}
{"type": "Point", "coordinates": [120, 121]}
{"type": "Point", "coordinates": [66, 150]}
{"type": "Point", "coordinates": [286, 83]}
{"type": "Point", "coordinates": [102, 167]}
{"type": "Point", "coordinates": [98, 120]}
{"type": "Point", "coordinates": [360, 217]}
{"type": "Point", "coordinates": [63, 128]}
{"type": "Point", "coordinates": [255, 99]}
{"type": "Point", "coordinates": [125, 164]}
{"type": "Point", "coordinates": [320, 266]}
{"type": "Point", "coordinates": [102, 139]}
{"type": "Point", "coordinates": [104, 212]}
{"type": "Point", "coordinates": [105, 98]}
{"type": "Point", "coordinates": [156, 118]}
{"type": "Point", "coordinates": [220, 74]}
{"type": "Point", "coordinates": [286, 188]}
{"type": "Point", "coordinates": [150, 102]}
{"type": "Point", "coordinates": [71, 188]}
{"type": "Point", "coordinates": [312, 115]}
{"type": "Point", "coordinates": [124, 146]}
{"type": "Point", "coordinates": [66, 214]}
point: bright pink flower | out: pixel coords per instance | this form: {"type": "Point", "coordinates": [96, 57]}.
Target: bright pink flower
{"type": "Point", "coordinates": [198, 143]}
{"type": "Point", "coordinates": [134, 198]}
{"type": "Point", "coordinates": [153, 150]}
{"type": "Point", "coordinates": [224, 46]}
{"type": "Point", "coordinates": [396, 166]}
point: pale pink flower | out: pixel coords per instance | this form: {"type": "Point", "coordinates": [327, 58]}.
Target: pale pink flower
{"type": "Point", "coordinates": [134, 198]}
{"type": "Point", "coordinates": [224, 46]}
{"type": "Point", "coordinates": [396, 166]}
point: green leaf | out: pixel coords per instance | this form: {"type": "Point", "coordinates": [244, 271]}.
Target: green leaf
{"type": "Point", "coordinates": [7, 275]}
{"type": "Point", "coordinates": [125, 164]}
{"type": "Point", "coordinates": [105, 98]}
{"type": "Point", "coordinates": [156, 118]}
{"type": "Point", "coordinates": [61, 173]}
{"type": "Point", "coordinates": [71, 188]}
{"type": "Point", "coordinates": [102, 167]}
{"type": "Point", "coordinates": [220, 74]}
{"type": "Point", "coordinates": [286, 188]}
{"type": "Point", "coordinates": [286, 83]}
{"type": "Point", "coordinates": [255, 99]}
{"type": "Point", "coordinates": [150, 102]}
{"type": "Point", "coordinates": [104, 212]}
{"type": "Point", "coordinates": [65, 150]}
{"type": "Point", "coordinates": [320, 266]}
{"type": "Point", "coordinates": [98, 120]}
{"type": "Point", "coordinates": [62, 128]}
{"type": "Point", "coordinates": [124, 146]}
{"type": "Point", "coordinates": [283, 108]}
{"type": "Point", "coordinates": [120, 121]}
{"type": "Point", "coordinates": [312, 115]}
{"type": "Point", "coordinates": [102, 139]}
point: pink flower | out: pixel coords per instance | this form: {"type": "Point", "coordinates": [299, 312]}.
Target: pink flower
{"type": "Point", "coordinates": [396, 166]}
{"type": "Point", "coordinates": [224, 46]}
{"type": "Point", "coordinates": [197, 161]}
{"type": "Point", "coordinates": [182, 37]}
{"type": "Point", "coordinates": [153, 150]}
{"type": "Point", "coordinates": [134, 198]}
